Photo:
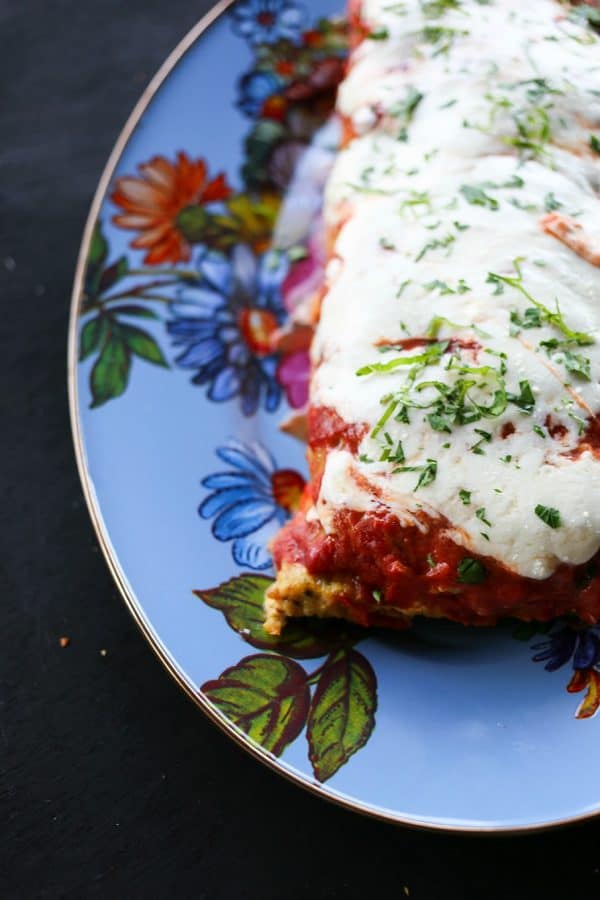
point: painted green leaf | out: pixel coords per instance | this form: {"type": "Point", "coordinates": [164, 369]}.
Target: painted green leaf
{"type": "Point", "coordinates": [142, 344]}
{"type": "Point", "coordinates": [241, 601]}
{"type": "Point", "coordinates": [266, 696]}
{"type": "Point", "coordinates": [113, 273]}
{"type": "Point", "coordinates": [91, 336]}
{"type": "Point", "coordinates": [342, 712]}
{"type": "Point", "coordinates": [98, 247]}
{"type": "Point", "coordinates": [110, 374]}
{"type": "Point", "coordinates": [97, 255]}
{"type": "Point", "coordinates": [129, 309]}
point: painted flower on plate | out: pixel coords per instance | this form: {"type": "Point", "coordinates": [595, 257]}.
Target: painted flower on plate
{"type": "Point", "coordinates": [265, 21]}
{"type": "Point", "coordinates": [161, 202]}
{"type": "Point", "coordinates": [225, 325]}
{"type": "Point", "coordinates": [255, 89]}
{"type": "Point", "coordinates": [249, 501]}
{"type": "Point", "coordinates": [581, 647]}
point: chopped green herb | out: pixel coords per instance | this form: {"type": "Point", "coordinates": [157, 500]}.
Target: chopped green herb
{"type": "Point", "coordinates": [380, 34]}
{"type": "Point", "coordinates": [365, 459]}
{"type": "Point", "coordinates": [471, 571]}
{"type": "Point", "coordinates": [524, 399]}
{"type": "Point", "coordinates": [437, 243]}
{"type": "Point", "coordinates": [506, 459]}
{"type": "Point", "coordinates": [595, 143]}
{"type": "Point", "coordinates": [430, 560]}
{"type": "Point", "coordinates": [403, 287]}
{"type": "Point", "coordinates": [460, 226]}
{"type": "Point", "coordinates": [386, 244]}
{"type": "Point", "coordinates": [465, 497]}
{"type": "Point", "coordinates": [547, 316]}
{"type": "Point", "coordinates": [476, 195]}
{"type": "Point", "coordinates": [539, 431]}
{"type": "Point", "coordinates": [482, 516]}
{"type": "Point", "coordinates": [428, 472]}
{"type": "Point", "coordinates": [549, 515]}
{"type": "Point", "coordinates": [376, 594]}
{"type": "Point", "coordinates": [405, 108]}
{"type": "Point", "coordinates": [551, 203]}
{"type": "Point", "coordinates": [484, 535]}
{"type": "Point", "coordinates": [576, 363]}
{"type": "Point", "coordinates": [429, 355]}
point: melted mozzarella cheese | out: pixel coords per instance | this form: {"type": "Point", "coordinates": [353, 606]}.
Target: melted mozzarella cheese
{"type": "Point", "coordinates": [502, 100]}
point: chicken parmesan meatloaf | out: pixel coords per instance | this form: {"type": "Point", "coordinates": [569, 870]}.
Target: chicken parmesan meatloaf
{"type": "Point", "coordinates": [454, 420]}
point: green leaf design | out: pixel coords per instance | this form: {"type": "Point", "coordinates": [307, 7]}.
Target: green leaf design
{"type": "Point", "coordinates": [129, 309]}
{"type": "Point", "coordinates": [241, 601]}
{"type": "Point", "coordinates": [266, 696]}
{"type": "Point", "coordinates": [112, 274]}
{"type": "Point", "coordinates": [110, 374]}
{"type": "Point", "coordinates": [92, 334]}
{"type": "Point", "coordinates": [142, 344]}
{"type": "Point", "coordinates": [97, 255]}
{"type": "Point", "coordinates": [342, 712]}
{"type": "Point", "coordinates": [98, 247]}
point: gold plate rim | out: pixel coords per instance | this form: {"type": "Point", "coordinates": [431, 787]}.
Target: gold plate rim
{"type": "Point", "coordinates": [105, 543]}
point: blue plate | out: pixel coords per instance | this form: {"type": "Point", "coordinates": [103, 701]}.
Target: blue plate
{"type": "Point", "coordinates": [203, 237]}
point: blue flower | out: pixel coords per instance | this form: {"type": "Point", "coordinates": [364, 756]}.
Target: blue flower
{"type": "Point", "coordinates": [255, 88]}
{"type": "Point", "coordinates": [249, 501]}
{"type": "Point", "coordinates": [224, 324]}
{"type": "Point", "coordinates": [267, 21]}
{"type": "Point", "coordinates": [582, 646]}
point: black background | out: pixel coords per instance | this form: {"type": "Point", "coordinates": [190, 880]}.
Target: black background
{"type": "Point", "coordinates": [113, 783]}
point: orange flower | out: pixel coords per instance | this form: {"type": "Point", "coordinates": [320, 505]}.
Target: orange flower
{"type": "Point", "coordinates": [153, 203]}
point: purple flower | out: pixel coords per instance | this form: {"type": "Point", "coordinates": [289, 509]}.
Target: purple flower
{"type": "Point", "coordinates": [582, 646]}
{"type": "Point", "coordinates": [224, 325]}
{"type": "Point", "coordinates": [267, 21]}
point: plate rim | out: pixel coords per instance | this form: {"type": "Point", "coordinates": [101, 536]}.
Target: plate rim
{"type": "Point", "coordinates": [131, 601]}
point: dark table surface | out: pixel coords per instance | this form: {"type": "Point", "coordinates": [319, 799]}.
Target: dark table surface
{"type": "Point", "coordinates": [113, 784]}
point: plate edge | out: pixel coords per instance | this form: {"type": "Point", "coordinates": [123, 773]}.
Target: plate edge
{"type": "Point", "coordinates": [105, 543]}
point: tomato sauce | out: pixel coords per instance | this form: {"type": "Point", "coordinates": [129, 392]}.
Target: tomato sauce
{"type": "Point", "coordinates": [389, 567]}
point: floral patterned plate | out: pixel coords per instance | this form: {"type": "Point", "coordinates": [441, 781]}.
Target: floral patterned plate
{"type": "Point", "coordinates": [204, 235]}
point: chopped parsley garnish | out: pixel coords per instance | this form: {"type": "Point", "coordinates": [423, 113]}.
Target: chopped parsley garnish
{"type": "Point", "coordinates": [547, 316]}
{"type": "Point", "coordinates": [444, 288]}
{"type": "Point", "coordinates": [386, 244]}
{"type": "Point", "coordinates": [471, 571]}
{"type": "Point", "coordinates": [380, 34]}
{"type": "Point", "coordinates": [549, 515]}
{"type": "Point", "coordinates": [576, 363]}
{"type": "Point", "coordinates": [405, 108]}
{"type": "Point", "coordinates": [442, 37]}
{"type": "Point", "coordinates": [430, 560]}
{"type": "Point", "coordinates": [485, 438]}
{"type": "Point", "coordinates": [431, 353]}
{"type": "Point", "coordinates": [551, 203]}
{"type": "Point", "coordinates": [465, 497]}
{"type": "Point", "coordinates": [376, 594]}
{"type": "Point", "coordinates": [437, 243]}
{"type": "Point", "coordinates": [460, 226]}
{"type": "Point", "coordinates": [524, 399]}
{"type": "Point", "coordinates": [428, 472]}
{"type": "Point", "coordinates": [595, 143]}
{"type": "Point", "coordinates": [482, 516]}
{"type": "Point", "coordinates": [476, 195]}
{"type": "Point", "coordinates": [403, 287]}
{"type": "Point", "coordinates": [506, 459]}
{"type": "Point", "coordinates": [435, 9]}
{"type": "Point", "coordinates": [539, 431]}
